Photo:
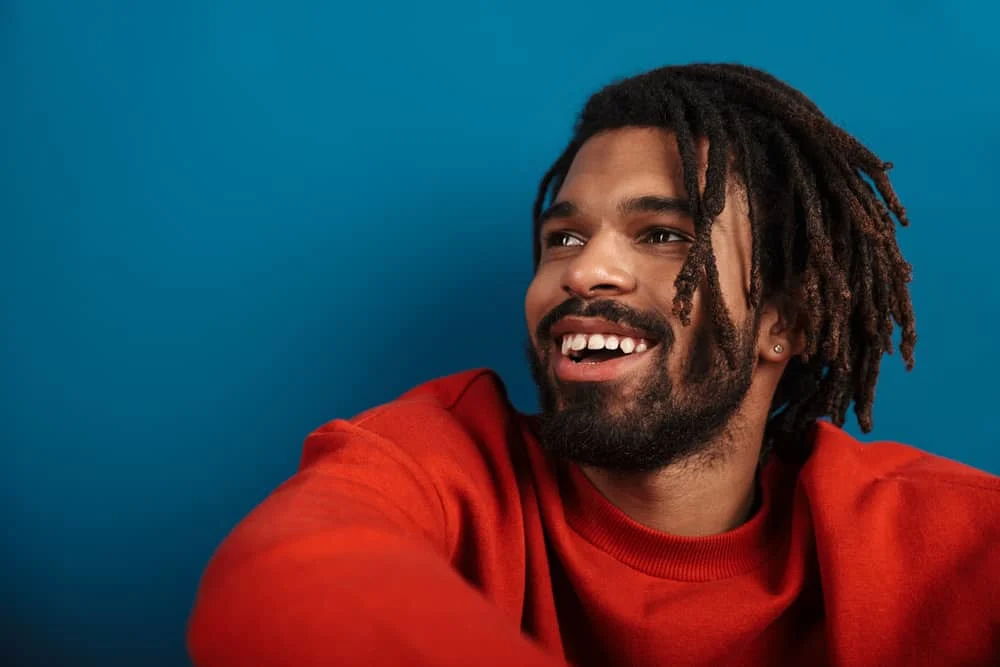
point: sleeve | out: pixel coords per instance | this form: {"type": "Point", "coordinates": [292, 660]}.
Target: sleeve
{"type": "Point", "coordinates": [347, 564]}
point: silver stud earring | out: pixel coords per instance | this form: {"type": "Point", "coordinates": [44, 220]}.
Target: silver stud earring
{"type": "Point", "coordinates": [778, 348]}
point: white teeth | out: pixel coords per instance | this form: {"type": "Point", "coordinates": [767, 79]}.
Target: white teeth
{"type": "Point", "coordinates": [576, 342]}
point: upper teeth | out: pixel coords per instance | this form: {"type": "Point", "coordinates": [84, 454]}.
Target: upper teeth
{"type": "Point", "coordinates": [580, 341]}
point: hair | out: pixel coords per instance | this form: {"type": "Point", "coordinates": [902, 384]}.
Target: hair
{"type": "Point", "coordinates": [822, 215]}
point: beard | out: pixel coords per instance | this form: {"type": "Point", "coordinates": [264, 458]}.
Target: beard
{"type": "Point", "coordinates": [651, 422]}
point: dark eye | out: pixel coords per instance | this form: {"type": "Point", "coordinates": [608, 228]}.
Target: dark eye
{"type": "Point", "coordinates": [661, 235]}
{"type": "Point", "coordinates": [562, 240]}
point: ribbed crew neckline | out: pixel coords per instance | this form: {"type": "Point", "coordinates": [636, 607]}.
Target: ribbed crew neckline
{"type": "Point", "coordinates": [667, 556]}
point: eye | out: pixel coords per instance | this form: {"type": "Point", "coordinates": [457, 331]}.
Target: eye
{"type": "Point", "coordinates": [562, 240]}
{"type": "Point", "coordinates": [663, 235]}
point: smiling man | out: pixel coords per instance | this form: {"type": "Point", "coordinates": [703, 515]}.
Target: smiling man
{"type": "Point", "coordinates": [717, 279]}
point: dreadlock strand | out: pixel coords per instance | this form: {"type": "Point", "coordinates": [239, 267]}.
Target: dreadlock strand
{"type": "Point", "coordinates": [830, 281]}
{"type": "Point", "coordinates": [743, 158]}
{"type": "Point", "coordinates": [687, 278]}
{"type": "Point", "coordinates": [713, 200]}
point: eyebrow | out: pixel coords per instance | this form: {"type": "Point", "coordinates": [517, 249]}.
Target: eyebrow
{"type": "Point", "coordinates": [628, 206]}
{"type": "Point", "coordinates": [559, 210]}
{"type": "Point", "coordinates": [654, 204]}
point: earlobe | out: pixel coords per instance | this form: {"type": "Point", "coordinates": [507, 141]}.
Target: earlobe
{"type": "Point", "coordinates": [773, 351]}
{"type": "Point", "coordinates": [777, 341]}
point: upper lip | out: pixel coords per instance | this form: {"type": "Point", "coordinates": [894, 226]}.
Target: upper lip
{"type": "Point", "coordinates": [592, 325]}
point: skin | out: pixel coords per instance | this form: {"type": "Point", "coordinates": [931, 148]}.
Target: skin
{"type": "Point", "coordinates": [634, 258]}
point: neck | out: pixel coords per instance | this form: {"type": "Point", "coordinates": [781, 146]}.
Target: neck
{"type": "Point", "coordinates": [690, 498]}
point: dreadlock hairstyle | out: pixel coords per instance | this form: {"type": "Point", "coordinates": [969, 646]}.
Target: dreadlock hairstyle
{"type": "Point", "coordinates": [822, 214]}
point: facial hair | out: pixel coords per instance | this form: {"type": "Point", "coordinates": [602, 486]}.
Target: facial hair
{"type": "Point", "coordinates": [651, 423]}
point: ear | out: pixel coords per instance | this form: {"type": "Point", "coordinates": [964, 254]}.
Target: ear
{"type": "Point", "coordinates": [778, 337]}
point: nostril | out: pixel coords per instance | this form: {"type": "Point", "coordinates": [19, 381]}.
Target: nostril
{"type": "Point", "coordinates": [592, 290]}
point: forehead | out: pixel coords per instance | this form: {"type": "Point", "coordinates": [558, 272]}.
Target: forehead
{"type": "Point", "coordinates": [619, 162]}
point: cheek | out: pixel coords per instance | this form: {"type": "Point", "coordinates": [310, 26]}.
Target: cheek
{"type": "Point", "coordinates": [661, 284]}
{"type": "Point", "coordinates": [733, 262]}
{"type": "Point", "coordinates": [686, 338]}
{"type": "Point", "coordinates": [537, 300]}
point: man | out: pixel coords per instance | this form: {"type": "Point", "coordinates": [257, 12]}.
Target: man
{"type": "Point", "coordinates": [717, 279]}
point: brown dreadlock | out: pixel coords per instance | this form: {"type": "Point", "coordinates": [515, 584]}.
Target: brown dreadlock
{"type": "Point", "coordinates": [822, 215]}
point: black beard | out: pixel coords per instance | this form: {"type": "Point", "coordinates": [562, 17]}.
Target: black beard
{"type": "Point", "coordinates": [650, 427]}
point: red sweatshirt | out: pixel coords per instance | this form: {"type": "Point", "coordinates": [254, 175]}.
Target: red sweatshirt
{"type": "Point", "coordinates": [434, 531]}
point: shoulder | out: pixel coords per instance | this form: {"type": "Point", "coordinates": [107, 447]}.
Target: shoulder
{"type": "Point", "coordinates": [454, 443]}
{"type": "Point", "coordinates": [838, 459]}
{"type": "Point", "coordinates": [461, 400]}
{"type": "Point", "coordinates": [885, 498]}
{"type": "Point", "coordinates": [446, 422]}
{"type": "Point", "coordinates": [911, 535]}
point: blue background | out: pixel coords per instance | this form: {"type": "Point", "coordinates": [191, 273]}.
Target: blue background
{"type": "Point", "coordinates": [225, 223]}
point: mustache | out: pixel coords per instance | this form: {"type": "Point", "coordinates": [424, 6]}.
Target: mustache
{"type": "Point", "coordinates": [610, 310]}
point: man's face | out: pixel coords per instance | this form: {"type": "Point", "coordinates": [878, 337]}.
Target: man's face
{"type": "Point", "coordinates": [623, 385]}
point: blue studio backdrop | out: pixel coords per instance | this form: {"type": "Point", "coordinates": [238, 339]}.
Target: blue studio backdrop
{"type": "Point", "coordinates": [226, 223]}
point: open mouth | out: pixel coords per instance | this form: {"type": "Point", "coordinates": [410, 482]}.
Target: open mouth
{"type": "Point", "coordinates": [597, 348]}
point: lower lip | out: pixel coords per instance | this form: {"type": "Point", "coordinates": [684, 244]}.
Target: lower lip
{"type": "Point", "coordinates": [568, 370]}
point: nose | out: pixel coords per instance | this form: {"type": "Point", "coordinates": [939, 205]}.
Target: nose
{"type": "Point", "coordinates": [600, 269]}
